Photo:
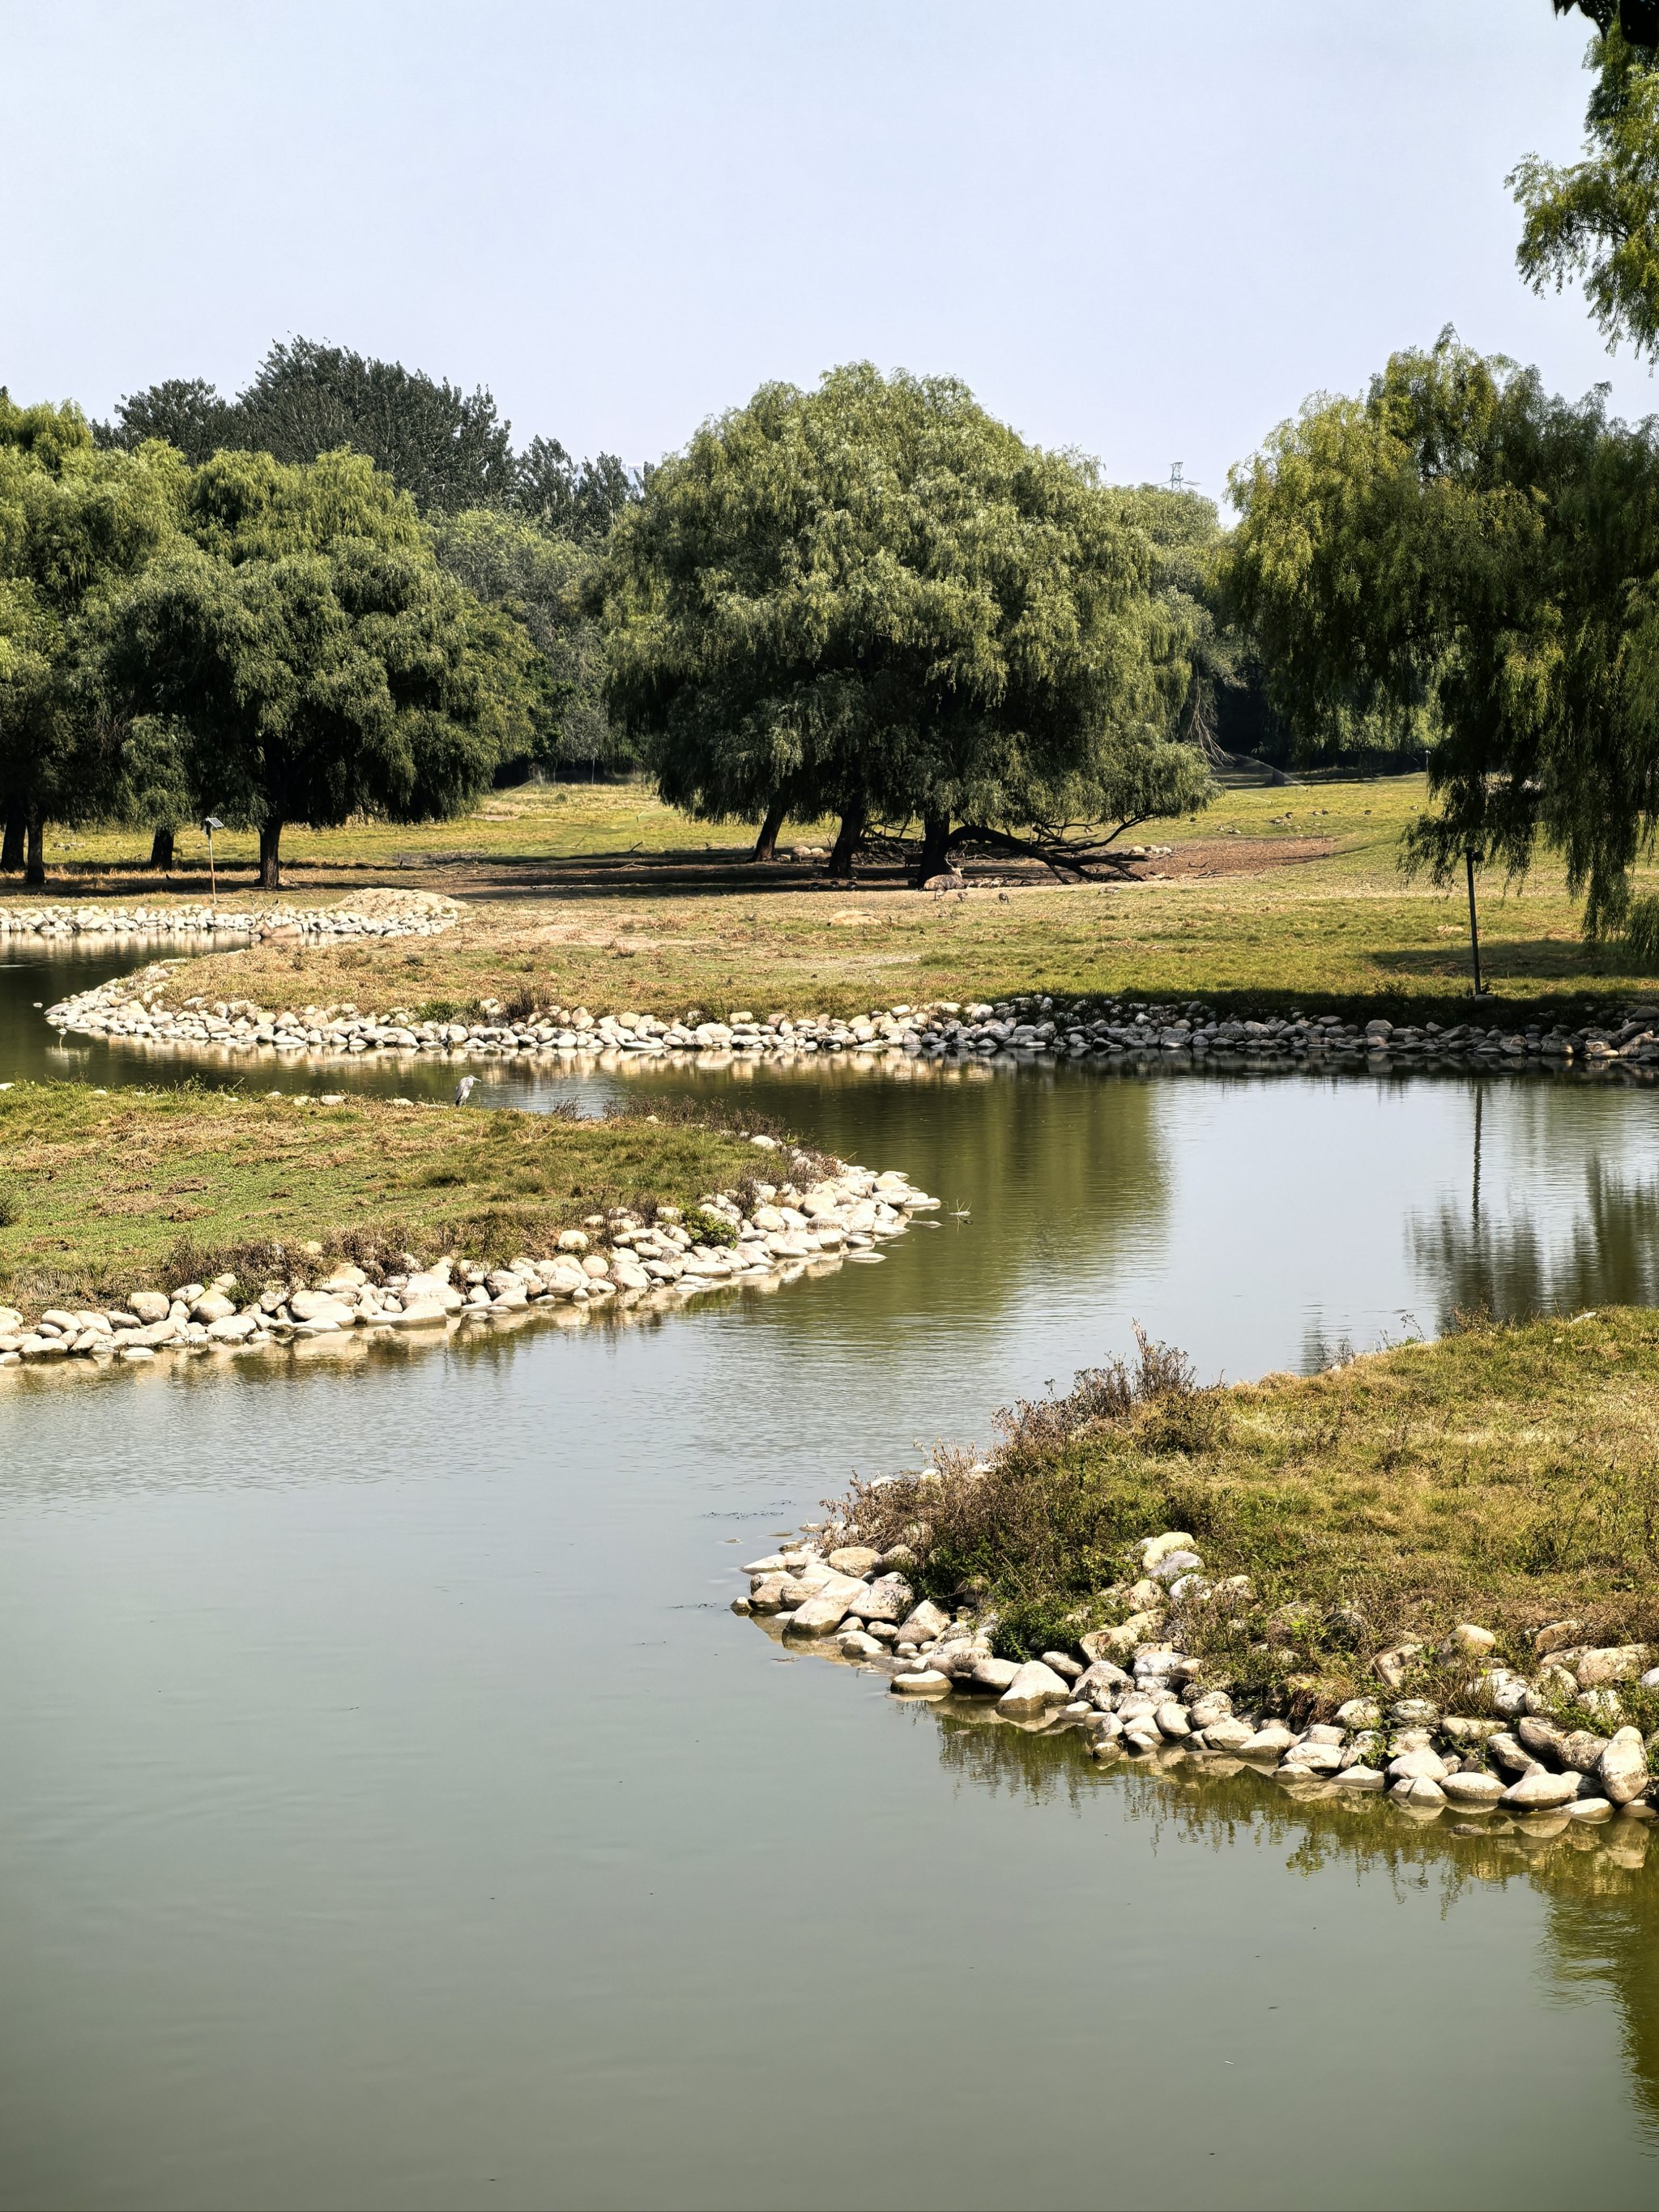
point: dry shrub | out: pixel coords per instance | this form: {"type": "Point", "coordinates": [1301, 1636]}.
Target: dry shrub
{"type": "Point", "coordinates": [1041, 1534]}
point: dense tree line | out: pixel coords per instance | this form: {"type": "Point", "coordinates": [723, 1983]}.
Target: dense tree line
{"type": "Point", "coordinates": [543, 515]}
{"type": "Point", "coordinates": [275, 642]}
{"type": "Point", "coordinates": [343, 591]}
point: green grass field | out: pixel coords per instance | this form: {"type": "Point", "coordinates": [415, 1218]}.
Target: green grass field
{"type": "Point", "coordinates": [599, 896]}
{"type": "Point", "coordinates": [101, 1192]}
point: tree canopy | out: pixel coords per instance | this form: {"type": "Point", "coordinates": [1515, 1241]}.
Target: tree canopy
{"type": "Point", "coordinates": [1637, 20]}
{"type": "Point", "coordinates": [316, 657]}
{"type": "Point", "coordinates": [449, 449]}
{"type": "Point", "coordinates": [76, 525]}
{"type": "Point", "coordinates": [875, 600]}
{"type": "Point", "coordinates": [1461, 550]}
{"type": "Point", "coordinates": [542, 583]}
{"type": "Point", "coordinates": [1597, 219]}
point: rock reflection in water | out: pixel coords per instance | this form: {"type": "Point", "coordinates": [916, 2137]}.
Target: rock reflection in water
{"type": "Point", "coordinates": [1601, 1882]}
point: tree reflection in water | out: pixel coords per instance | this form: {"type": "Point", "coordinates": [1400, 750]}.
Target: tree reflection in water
{"type": "Point", "coordinates": [1600, 1882]}
{"type": "Point", "coordinates": [1477, 1258]}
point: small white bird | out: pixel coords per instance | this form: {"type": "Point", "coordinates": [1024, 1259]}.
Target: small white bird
{"type": "Point", "coordinates": [463, 1087]}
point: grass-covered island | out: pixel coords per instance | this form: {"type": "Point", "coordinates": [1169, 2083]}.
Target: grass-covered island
{"type": "Point", "coordinates": [1434, 1569]}
{"type": "Point", "coordinates": [132, 1221]}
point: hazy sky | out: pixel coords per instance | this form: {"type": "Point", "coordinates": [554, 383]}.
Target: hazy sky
{"type": "Point", "coordinates": [1148, 231]}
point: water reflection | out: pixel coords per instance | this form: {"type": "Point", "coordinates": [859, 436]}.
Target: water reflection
{"type": "Point", "coordinates": [1505, 1249]}
{"type": "Point", "coordinates": [1601, 1932]}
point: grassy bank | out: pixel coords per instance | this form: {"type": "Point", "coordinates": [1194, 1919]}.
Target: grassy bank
{"type": "Point", "coordinates": [1504, 1476]}
{"type": "Point", "coordinates": [1271, 899]}
{"type": "Point", "coordinates": [103, 1193]}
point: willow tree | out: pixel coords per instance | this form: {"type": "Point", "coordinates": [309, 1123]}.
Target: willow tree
{"type": "Point", "coordinates": [876, 601]}
{"type": "Point", "coordinates": [1461, 550]}
{"type": "Point", "coordinates": [1596, 221]}
{"type": "Point", "coordinates": [319, 659]}
{"type": "Point", "coordinates": [76, 526]}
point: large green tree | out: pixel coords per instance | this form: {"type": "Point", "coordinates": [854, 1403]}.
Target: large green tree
{"type": "Point", "coordinates": [875, 600]}
{"type": "Point", "coordinates": [1461, 553]}
{"type": "Point", "coordinates": [319, 659]}
{"type": "Point", "coordinates": [76, 526]}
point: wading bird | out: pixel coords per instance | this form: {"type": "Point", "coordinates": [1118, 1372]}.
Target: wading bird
{"type": "Point", "coordinates": [463, 1087]}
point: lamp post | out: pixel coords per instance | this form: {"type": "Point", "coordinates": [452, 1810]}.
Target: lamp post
{"type": "Point", "coordinates": [1470, 856]}
{"type": "Point", "coordinates": [211, 822]}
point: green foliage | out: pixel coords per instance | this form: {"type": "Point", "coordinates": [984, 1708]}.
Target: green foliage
{"type": "Point", "coordinates": [874, 596]}
{"type": "Point", "coordinates": [577, 500]}
{"type": "Point", "coordinates": [541, 583]}
{"type": "Point", "coordinates": [704, 1227]}
{"type": "Point", "coordinates": [320, 659]}
{"type": "Point", "coordinates": [1597, 220]}
{"type": "Point", "coordinates": [447, 448]}
{"type": "Point", "coordinates": [1468, 559]}
{"type": "Point", "coordinates": [1026, 1627]}
{"type": "Point", "coordinates": [76, 525]}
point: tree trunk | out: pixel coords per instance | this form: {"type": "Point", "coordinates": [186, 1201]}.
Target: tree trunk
{"type": "Point", "coordinates": [935, 847]}
{"type": "Point", "coordinates": [34, 864]}
{"type": "Point", "coordinates": [161, 850]}
{"type": "Point", "coordinates": [11, 845]}
{"type": "Point", "coordinates": [847, 838]}
{"type": "Point", "coordinates": [270, 864]}
{"type": "Point", "coordinates": [766, 845]}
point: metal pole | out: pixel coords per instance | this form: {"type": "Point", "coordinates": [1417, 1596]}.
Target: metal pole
{"type": "Point", "coordinates": [213, 880]}
{"type": "Point", "coordinates": [1474, 927]}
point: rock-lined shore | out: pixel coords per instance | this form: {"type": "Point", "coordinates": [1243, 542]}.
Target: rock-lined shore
{"type": "Point", "coordinates": [1023, 1029]}
{"type": "Point", "coordinates": [396, 913]}
{"type": "Point", "coordinates": [618, 1261]}
{"type": "Point", "coordinates": [1548, 1746]}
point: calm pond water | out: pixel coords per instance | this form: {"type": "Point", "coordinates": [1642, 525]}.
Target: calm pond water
{"type": "Point", "coordinates": [394, 1815]}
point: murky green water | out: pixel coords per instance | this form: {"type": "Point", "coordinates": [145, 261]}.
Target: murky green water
{"type": "Point", "coordinates": [391, 1813]}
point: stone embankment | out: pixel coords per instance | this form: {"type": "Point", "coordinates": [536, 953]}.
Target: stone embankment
{"type": "Point", "coordinates": [1023, 1030]}
{"type": "Point", "coordinates": [621, 1261]}
{"type": "Point", "coordinates": [385, 913]}
{"type": "Point", "coordinates": [1551, 1745]}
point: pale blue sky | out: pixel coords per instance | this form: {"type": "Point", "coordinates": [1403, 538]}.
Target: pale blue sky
{"type": "Point", "coordinates": [1148, 231]}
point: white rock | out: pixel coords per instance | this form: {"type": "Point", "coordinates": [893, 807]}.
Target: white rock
{"type": "Point", "coordinates": [1471, 1788]}
{"type": "Point", "coordinates": [420, 1313]}
{"type": "Point", "coordinates": [1417, 1790]}
{"type": "Point", "coordinates": [928, 1682]}
{"type": "Point", "coordinates": [1034, 1688]}
{"type": "Point", "coordinates": [1540, 1790]}
{"type": "Point", "coordinates": [1623, 1769]}
{"type": "Point", "coordinates": [1416, 1765]}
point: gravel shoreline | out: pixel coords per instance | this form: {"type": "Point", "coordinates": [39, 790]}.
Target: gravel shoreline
{"type": "Point", "coordinates": [1024, 1030]}
{"type": "Point", "coordinates": [396, 913]}
{"type": "Point", "coordinates": [623, 1263]}
{"type": "Point", "coordinates": [1549, 1751]}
